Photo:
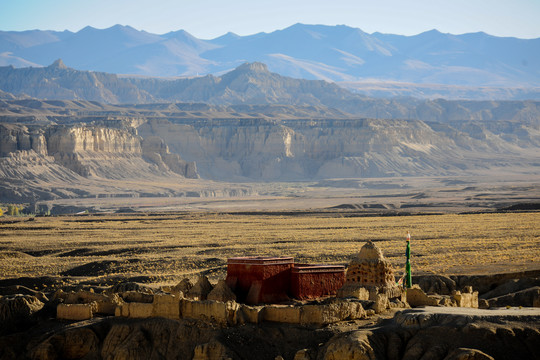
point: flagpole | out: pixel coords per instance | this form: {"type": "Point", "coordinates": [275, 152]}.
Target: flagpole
{"type": "Point", "coordinates": [408, 273]}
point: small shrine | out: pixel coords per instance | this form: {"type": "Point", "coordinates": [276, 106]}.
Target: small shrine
{"type": "Point", "coordinates": [370, 274]}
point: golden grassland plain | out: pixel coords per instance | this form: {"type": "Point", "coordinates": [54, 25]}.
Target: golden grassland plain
{"type": "Point", "coordinates": [163, 248]}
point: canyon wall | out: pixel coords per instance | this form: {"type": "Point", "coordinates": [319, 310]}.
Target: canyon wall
{"type": "Point", "coordinates": [89, 151]}
{"type": "Point", "coordinates": [261, 149]}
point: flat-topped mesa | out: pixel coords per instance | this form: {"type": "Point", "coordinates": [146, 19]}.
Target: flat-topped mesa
{"type": "Point", "coordinates": [371, 271]}
{"type": "Point", "coordinates": [253, 67]}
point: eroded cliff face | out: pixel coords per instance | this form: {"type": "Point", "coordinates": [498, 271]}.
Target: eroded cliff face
{"type": "Point", "coordinates": [232, 149]}
{"type": "Point", "coordinates": [18, 138]}
{"type": "Point", "coordinates": [92, 138]}
{"type": "Point", "coordinates": [316, 149]}
{"type": "Point", "coordinates": [95, 151]}
{"type": "Point", "coordinates": [156, 151]}
{"type": "Point", "coordinates": [92, 151]}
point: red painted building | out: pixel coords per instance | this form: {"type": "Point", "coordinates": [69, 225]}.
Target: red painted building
{"type": "Point", "coordinates": [314, 281]}
{"type": "Point", "coordinates": [257, 280]}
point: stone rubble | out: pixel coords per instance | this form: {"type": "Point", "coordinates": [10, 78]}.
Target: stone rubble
{"type": "Point", "coordinates": [466, 298]}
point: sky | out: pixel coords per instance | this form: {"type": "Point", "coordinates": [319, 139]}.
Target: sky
{"type": "Point", "coordinates": [207, 19]}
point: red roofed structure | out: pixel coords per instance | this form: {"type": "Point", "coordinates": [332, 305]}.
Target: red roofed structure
{"type": "Point", "coordinates": [257, 280]}
{"type": "Point", "coordinates": [314, 281]}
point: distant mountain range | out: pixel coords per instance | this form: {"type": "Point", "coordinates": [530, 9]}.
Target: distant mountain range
{"type": "Point", "coordinates": [249, 84]}
{"type": "Point", "coordinates": [333, 53]}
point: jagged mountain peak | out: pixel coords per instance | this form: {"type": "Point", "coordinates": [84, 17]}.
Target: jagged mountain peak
{"type": "Point", "coordinates": [58, 64]}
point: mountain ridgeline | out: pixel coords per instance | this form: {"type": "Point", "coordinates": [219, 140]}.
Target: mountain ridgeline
{"type": "Point", "coordinates": [316, 52]}
{"type": "Point", "coordinates": [250, 83]}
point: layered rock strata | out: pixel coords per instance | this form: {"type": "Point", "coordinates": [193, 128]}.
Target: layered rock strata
{"type": "Point", "coordinates": [94, 151]}
{"type": "Point", "coordinates": [262, 149]}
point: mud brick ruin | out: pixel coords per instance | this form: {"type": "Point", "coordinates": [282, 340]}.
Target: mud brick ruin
{"type": "Point", "coordinates": [370, 271]}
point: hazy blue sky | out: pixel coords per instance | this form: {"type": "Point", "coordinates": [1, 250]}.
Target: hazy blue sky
{"type": "Point", "coordinates": [211, 18]}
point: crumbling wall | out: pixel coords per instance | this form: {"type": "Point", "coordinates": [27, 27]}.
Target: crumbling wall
{"type": "Point", "coordinates": [163, 305]}
{"type": "Point", "coordinates": [466, 298]}
{"type": "Point", "coordinates": [105, 304]}
{"type": "Point", "coordinates": [76, 312]}
{"type": "Point", "coordinates": [232, 313]}
{"type": "Point", "coordinates": [335, 311]}
{"type": "Point", "coordinates": [223, 313]}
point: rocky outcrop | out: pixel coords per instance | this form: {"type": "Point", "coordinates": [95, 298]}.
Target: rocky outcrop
{"type": "Point", "coordinates": [71, 344]}
{"type": "Point", "coordinates": [201, 289]}
{"type": "Point", "coordinates": [510, 289]}
{"type": "Point", "coordinates": [262, 149]}
{"type": "Point", "coordinates": [440, 335]}
{"type": "Point", "coordinates": [148, 339]}
{"type": "Point", "coordinates": [97, 151]}
{"type": "Point", "coordinates": [468, 354]}
{"type": "Point", "coordinates": [264, 142]}
{"type": "Point", "coordinates": [108, 338]}
{"type": "Point", "coordinates": [213, 350]}
{"type": "Point", "coordinates": [221, 292]}
{"type": "Point", "coordinates": [62, 139]}
{"type": "Point", "coordinates": [156, 151]}
{"type": "Point", "coordinates": [17, 309]}
{"type": "Point", "coordinates": [15, 138]}
{"type": "Point", "coordinates": [466, 298]}
{"type": "Point", "coordinates": [437, 284]}
{"type": "Point", "coordinates": [92, 150]}
{"type": "Point", "coordinates": [527, 297]}
{"type": "Point", "coordinates": [50, 161]}
{"type": "Point", "coordinates": [411, 334]}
